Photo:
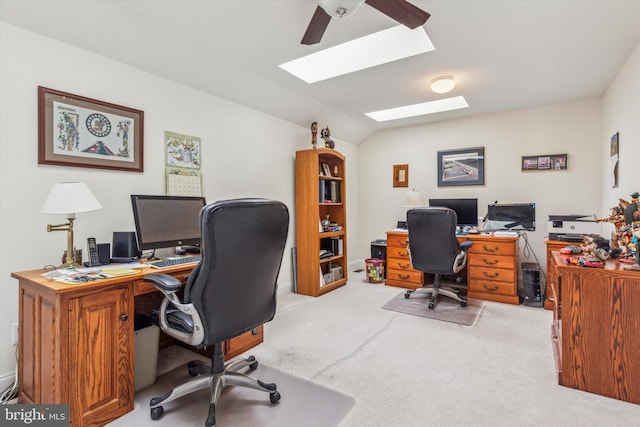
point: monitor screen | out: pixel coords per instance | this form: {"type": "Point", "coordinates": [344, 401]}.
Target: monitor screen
{"type": "Point", "coordinates": [466, 210]}
{"type": "Point", "coordinates": [166, 221]}
{"type": "Point", "coordinates": [517, 216]}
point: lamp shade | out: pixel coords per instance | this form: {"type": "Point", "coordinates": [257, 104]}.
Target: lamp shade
{"type": "Point", "coordinates": [413, 199]}
{"type": "Point", "coordinates": [443, 84]}
{"type": "Point", "coordinates": [70, 198]}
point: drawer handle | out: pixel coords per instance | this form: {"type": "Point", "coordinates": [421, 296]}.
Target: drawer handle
{"type": "Point", "coordinates": [404, 276]}
{"type": "Point", "coordinates": [489, 262]}
{"type": "Point", "coordinates": [404, 265]}
{"type": "Point", "coordinates": [491, 288]}
{"type": "Point", "coordinates": [403, 253]}
{"type": "Point", "coordinates": [124, 317]}
{"type": "Point", "coordinates": [552, 299]}
{"type": "Point", "coordinates": [401, 242]}
{"type": "Point", "coordinates": [495, 248]}
{"type": "Point", "coordinates": [492, 276]}
{"type": "Point", "coordinates": [254, 331]}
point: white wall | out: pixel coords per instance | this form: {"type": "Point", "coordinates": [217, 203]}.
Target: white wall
{"type": "Point", "coordinates": [573, 128]}
{"type": "Point", "coordinates": [621, 113]}
{"type": "Point", "coordinates": [245, 153]}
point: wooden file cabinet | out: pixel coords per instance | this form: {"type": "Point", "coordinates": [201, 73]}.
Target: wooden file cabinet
{"type": "Point", "coordinates": [595, 328]}
{"type": "Point", "coordinates": [492, 268]}
{"type": "Point", "coordinates": [76, 343]}
{"type": "Point", "coordinates": [398, 266]}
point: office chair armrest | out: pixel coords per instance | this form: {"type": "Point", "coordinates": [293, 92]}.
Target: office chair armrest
{"type": "Point", "coordinates": [163, 282]}
{"type": "Point", "coordinates": [466, 245]}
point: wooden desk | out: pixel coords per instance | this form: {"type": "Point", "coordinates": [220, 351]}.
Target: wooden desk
{"type": "Point", "coordinates": [77, 343]}
{"type": "Point", "coordinates": [596, 328]}
{"type": "Point", "coordinates": [492, 266]}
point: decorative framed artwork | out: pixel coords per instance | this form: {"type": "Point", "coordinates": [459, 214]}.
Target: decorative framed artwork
{"type": "Point", "coordinates": [400, 175]}
{"type": "Point", "coordinates": [83, 132]}
{"type": "Point", "coordinates": [544, 162]}
{"type": "Point", "coordinates": [461, 167]}
{"type": "Point", "coordinates": [613, 161]}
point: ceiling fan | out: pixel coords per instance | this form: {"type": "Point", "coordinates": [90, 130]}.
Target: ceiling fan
{"type": "Point", "coordinates": [399, 10]}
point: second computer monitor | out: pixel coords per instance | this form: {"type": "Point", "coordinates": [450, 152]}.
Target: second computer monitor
{"type": "Point", "coordinates": [465, 209]}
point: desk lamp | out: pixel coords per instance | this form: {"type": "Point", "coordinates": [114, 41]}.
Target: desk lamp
{"type": "Point", "coordinates": [69, 198]}
{"type": "Point", "coordinates": [413, 199]}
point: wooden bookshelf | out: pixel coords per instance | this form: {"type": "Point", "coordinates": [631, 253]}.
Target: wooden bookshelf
{"type": "Point", "coordinates": [317, 196]}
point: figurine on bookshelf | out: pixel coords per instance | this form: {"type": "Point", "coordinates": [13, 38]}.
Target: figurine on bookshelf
{"type": "Point", "coordinates": [326, 135]}
{"type": "Point", "coordinates": [314, 133]}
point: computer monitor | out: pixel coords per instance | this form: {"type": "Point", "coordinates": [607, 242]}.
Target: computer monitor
{"type": "Point", "coordinates": [167, 221]}
{"type": "Point", "coordinates": [465, 209]}
{"type": "Point", "coordinates": [515, 216]}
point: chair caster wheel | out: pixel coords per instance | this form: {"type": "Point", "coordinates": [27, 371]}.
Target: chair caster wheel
{"type": "Point", "coordinates": [407, 294]}
{"type": "Point", "coordinates": [463, 303]}
{"type": "Point", "coordinates": [274, 396]}
{"type": "Point", "coordinates": [157, 412]}
{"type": "Point", "coordinates": [192, 367]}
{"type": "Point", "coordinates": [431, 305]}
{"type": "Point", "coordinates": [254, 365]}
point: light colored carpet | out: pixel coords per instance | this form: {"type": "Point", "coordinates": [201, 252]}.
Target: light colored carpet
{"type": "Point", "coordinates": [446, 309]}
{"type": "Point", "coordinates": [302, 402]}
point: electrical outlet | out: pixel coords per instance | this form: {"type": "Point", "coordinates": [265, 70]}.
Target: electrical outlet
{"type": "Point", "coordinates": [14, 334]}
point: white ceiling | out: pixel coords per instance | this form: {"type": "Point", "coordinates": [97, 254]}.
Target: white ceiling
{"type": "Point", "coordinates": [505, 54]}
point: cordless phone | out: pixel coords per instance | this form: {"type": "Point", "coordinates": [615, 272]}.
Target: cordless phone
{"type": "Point", "coordinates": [92, 248]}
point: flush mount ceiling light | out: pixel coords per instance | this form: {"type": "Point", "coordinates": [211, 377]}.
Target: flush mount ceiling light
{"type": "Point", "coordinates": [431, 107]}
{"type": "Point", "coordinates": [369, 51]}
{"type": "Point", "coordinates": [443, 84]}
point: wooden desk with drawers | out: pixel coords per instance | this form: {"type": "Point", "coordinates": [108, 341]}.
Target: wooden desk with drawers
{"type": "Point", "coordinates": [492, 266]}
{"type": "Point", "coordinates": [76, 342]}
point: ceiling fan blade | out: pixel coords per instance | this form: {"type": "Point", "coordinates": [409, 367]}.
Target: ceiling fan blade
{"type": "Point", "coordinates": [402, 11]}
{"type": "Point", "coordinates": [317, 26]}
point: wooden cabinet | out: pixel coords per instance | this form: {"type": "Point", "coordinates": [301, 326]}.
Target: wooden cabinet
{"type": "Point", "coordinates": [76, 343]}
{"type": "Point", "coordinates": [320, 194]}
{"type": "Point", "coordinates": [77, 348]}
{"type": "Point", "coordinates": [398, 265]}
{"type": "Point", "coordinates": [552, 246]}
{"type": "Point", "coordinates": [598, 325]}
{"type": "Point", "coordinates": [492, 268]}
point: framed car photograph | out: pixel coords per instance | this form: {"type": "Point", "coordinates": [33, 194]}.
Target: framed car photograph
{"type": "Point", "coordinates": [78, 131]}
{"type": "Point", "coordinates": [461, 167]}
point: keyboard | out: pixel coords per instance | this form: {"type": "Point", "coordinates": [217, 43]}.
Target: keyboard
{"type": "Point", "coordinates": [170, 262]}
{"type": "Point", "coordinates": [506, 233]}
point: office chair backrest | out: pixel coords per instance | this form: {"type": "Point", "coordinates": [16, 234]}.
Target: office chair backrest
{"type": "Point", "coordinates": [234, 286]}
{"type": "Point", "coordinates": [432, 239]}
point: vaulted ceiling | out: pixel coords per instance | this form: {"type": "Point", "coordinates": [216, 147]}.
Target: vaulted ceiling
{"type": "Point", "coordinates": [504, 54]}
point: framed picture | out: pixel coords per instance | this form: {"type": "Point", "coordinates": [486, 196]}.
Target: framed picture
{"type": "Point", "coordinates": [461, 167]}
{"type": "Point", "coordinates": [400, 175]}
{"type": "Point", "coordinates": [544, 162]}
{"type": "Point", "coordinates": [83, 132]}
{"type": "Point", "coordinates": [613, 161]}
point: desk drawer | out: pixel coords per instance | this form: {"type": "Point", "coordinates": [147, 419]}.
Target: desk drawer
{"type": "Point", "coordinates": [399, 264]}
{"type": "Point", "coordinates": [492, 274]}
{"type": "Point", "coordinates": [410, 276]}
{"type": "Point", "coordinates": [492, 261]}
{"type": "Point", "coordinates": [398, 252]}
{"type": "Point", "coordinates": [493, 248]}
{"type": "Point", "coordinates": [491, 287]}
{"type": "Point", "coordinates": [397, 241]}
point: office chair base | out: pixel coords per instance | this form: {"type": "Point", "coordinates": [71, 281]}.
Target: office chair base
{"type": "Point", "coordinates": [204, 377]}
{"type": "Point", "coordinates": [435, 292]}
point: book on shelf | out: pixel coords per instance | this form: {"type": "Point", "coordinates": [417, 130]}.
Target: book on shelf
{"type": "Point", "coordinates": [337, 245]}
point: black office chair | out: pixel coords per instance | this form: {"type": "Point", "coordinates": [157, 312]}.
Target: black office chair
{"type": "Point", "coordinates": [231, 291]}
{"type": "Point", "coordinates": [434, 249]}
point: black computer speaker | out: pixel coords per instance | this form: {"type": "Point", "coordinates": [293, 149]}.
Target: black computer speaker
{"type": "Point", "coordinates": [125, 246]}
{"type": "Point", "coordinates": [104, 253]}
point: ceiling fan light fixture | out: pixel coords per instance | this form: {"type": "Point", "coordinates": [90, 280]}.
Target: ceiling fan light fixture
{"type": "Point", "coordinates": [340, 8]}
{"type": "Point", "coordinates": [443, 84]}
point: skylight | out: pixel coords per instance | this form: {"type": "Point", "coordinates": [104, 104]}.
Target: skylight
{"type": "Point", "coordinates": [366, 52]}
{"type": "Point", "coordinates": [421, 109]}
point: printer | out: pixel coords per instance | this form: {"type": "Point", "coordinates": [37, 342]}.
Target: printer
{"type": "Point", "coordinates": [571, 228]}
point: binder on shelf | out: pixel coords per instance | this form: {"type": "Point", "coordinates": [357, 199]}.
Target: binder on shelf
{"type": "Point", "coordinates": [337, 245]}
